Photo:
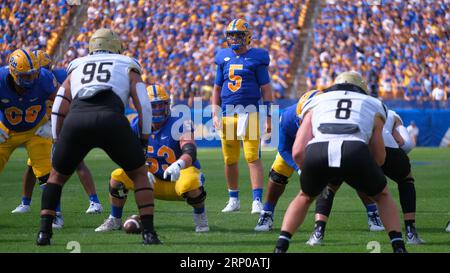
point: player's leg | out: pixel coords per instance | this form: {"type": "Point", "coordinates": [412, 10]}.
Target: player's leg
{"type": "Point", "coordinates": [85, 176]}
{"type": "Point", "coordinates": [28, 182]}
{"type": "Point", "coordinates": [190, 186]}
{"type": "Point", "coordinates": [119, 185]}
{"type": "Point", "coordinates": [278, 179]}
{"type": "Point", "coordinates": [252, 153]}
{"type": "Point", "coordinates": [231, 153]}
{"type": "Point", "coordinates": [324, 203]}
{"type": "Point", "coordinates": [373, 218]}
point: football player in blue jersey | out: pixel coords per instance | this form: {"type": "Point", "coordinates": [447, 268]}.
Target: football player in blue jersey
{"type": "Point", "coordinates": [242, 80]}
{"type": "Point", "coordinates": [24, 89]}
{"type": "Point", "coordinates": [29, 179]}
{"type": "Point", "coordinates": [173, 168]}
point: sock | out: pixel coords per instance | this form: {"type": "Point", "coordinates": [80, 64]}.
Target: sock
{"type": "Point", "coordinates": [257, 194]}
{"type": "Point", "coordinates": [410, 225]}
{"type": "Point", "coordinates": [396, 240]}
{"type": "Point", "coordinates": [116, 212]}
{"type": "Point", "coordinates": [147, 223]}
{"type": "Point", "coordinates": [46, 223]}
{"type": "Point", "coordinates": [26, 201]}
{"type": "Point", "coordinates": [269, 207]}
{"type": "Point", "coordinates": [94, 198]}
{"type": "Point", "coordinates": [283, 241]}
{"type": "Point", "coordinates": [233, 194]}
{"type": "Point", "coordinates": [320, 226]}
{"type": "Point", "coordinates": [199, 210]}
{"type": "Point", "coordinates": [58, 207]}
{"type": "Point", "coordinates": [371, 208]}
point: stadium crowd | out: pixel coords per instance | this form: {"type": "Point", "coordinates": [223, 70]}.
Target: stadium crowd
{"type": "Point", "coordinates": [32, 24]}
{"type": "Point", "coordinates": [402, 47]}
{"type": "Point", "coordinates": [175, 41]}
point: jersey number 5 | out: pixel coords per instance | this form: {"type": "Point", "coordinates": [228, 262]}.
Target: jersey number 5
{"type": "Point", "coordinates": [235, 80]}
{"type": "Point", "coordinates": [163, 151]}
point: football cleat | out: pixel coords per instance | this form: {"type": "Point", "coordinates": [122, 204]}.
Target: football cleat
{"type": "Point", "coordinates": [257, 207]}
{"type": "Point", "coordinates": [43, 238]}
{"type": "Point", "coordinates": [94, 208]}
{"type": "Point", "coordinates": [201, 222]}
{"type": "Point", "coordinates": [374, 221]}
{"type": "Point", "coordinates": [278, 250]}
{"type": "Point", "coordinates": [412, 238]}
{"type": "Point", "coordinates": [110, 223]}
{"type": "Point", "coordinates": [316, 238]}
{"type": "Point", "coordinates": [232, 205]}
{"type": "Point", "coordinates": [448, 227]}
{"type": "Point", "coordinates": [150, 238]}
{"type": "Point", "coordinates": [58, 221]}
{"type": "Point", "coordinates": [265, 221]}
{"type": "Point", "coordinates": [22, 209]}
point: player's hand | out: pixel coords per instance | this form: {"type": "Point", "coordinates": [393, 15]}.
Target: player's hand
{"type": "Point", "coordinates": [174, 170]}
{"type": "Point", "coordinates": [151, 179]}
{"type": "Point", "coordinates": [45, 130]}
{"type": "Point", "coordinates": [217, 123]}
{"type": "Point", "coordinates": [269, 125]}
{"type": "Point", "coordinates": [3, 136]}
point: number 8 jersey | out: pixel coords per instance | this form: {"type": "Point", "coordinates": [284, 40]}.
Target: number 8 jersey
{"type": "Point", "coordinates": [109, 70]}
{"type": "Point", "coordinates": [343, 115]}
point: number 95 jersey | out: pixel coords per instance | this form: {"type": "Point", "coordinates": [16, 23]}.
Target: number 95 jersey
{"type": "Point", "coordinates": [343, 115]}
{"type": "Point", "coordinates": [109, 70]}
{"type": "Point", "coordinates": [241, 76]}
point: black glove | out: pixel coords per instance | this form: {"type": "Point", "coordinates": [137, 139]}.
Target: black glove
{"type": "Point", "coordinates": [144, 146]}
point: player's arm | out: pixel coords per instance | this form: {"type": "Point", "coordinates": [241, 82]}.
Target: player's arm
{"type": "Point", "coordinates": [215, 101]}
{"type": "Point", "coordinates": [267, 95]}
{"type": "Point", "coordinates": [402, 136]}
{"type": "Point", "coordinates": [376, 143]}
{"type": "Point", "coordinates": [188, 156]}
{"type": "Point", "coordinates": [142, 104]}
{"type": "Point", "coordinates": [60, 108]}
{"type": "Point", "coordinates": [304, 135]}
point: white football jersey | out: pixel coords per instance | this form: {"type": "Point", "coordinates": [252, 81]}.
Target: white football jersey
{"type": "Point", "coordinates": [389, 140]}
{"type": "Point", "coordinates": [111, 70]}
{"type": "Point", "coordinates": [343, 115]}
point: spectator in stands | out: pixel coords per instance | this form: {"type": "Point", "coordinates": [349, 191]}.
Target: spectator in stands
{"type": "Point", "coordinates": [438, 94]}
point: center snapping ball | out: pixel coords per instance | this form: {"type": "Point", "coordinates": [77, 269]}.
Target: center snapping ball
{"type": "Point", "coordinates": [133, 225]}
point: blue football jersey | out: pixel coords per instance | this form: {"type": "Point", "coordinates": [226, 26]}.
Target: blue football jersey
{"type": "Point", "coordinates": [241, 76]}
{"type": "Point", "coordinates": [289, 124]}
{"type": "Point", "coordinates": [23, 112]}
{"type": "Point", "coordinates": [163, 149]}
{"type": "Point", "coordinates": [60, 74]}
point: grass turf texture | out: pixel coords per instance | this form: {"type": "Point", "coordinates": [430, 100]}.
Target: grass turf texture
{"type": "Point", "coordinates": [232, 232]}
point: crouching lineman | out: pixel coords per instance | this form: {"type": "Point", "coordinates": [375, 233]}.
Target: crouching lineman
{"type": "Point", "coordinates": [397, 167]}
{"type": "Point", "coordinates": [340, 139]}
{"type": "Point", "coordinates": [173, 168]}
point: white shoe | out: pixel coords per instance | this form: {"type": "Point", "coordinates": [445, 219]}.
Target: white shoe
{"type": "Point", "coordinates": [94, 208]}
{"type": "Point", "coordinates": [22, 209]}
{"type": "Point", "coordinates": [58, 221]}
{"type": "Point", "coordinates": [110, 223]}
{"type": "Point", "coordinates": [374, 222]}
{"type": "Point", "coordinates": [265, 221]}
{"type": "Point", "coordinates": [315, 238]}
{"type": "Point", "coordinates": [448, 227]}
{"type": "Point", "coordinates": [412, 238]}
{"type": "Point", "coordinates": [257, 207]}
{"type": "Point", "coordinates": [201, 222]}
{"type": "Point", "coordinates": [232, 205]}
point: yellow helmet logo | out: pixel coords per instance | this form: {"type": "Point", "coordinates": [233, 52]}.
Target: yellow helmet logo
{"type": "Point", "coordinates": [239, 26]}
{"type": "Point", "coordinates": [157, 93]}
{"type": "Point", "coordinates": [308, 95]}
{"type": "Point", "coordinates": [24, 67]}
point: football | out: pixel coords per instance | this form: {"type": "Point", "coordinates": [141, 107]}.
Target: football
{"type": "Point", "coordinates": [132, 225]}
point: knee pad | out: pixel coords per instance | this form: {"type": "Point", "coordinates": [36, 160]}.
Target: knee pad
{"type": "Point", "coordinates": [197, 200]}
{"type": "Point", "coordinates": [278, 178]}
{"type": "Point", "coordinates": [51, 196]}
{"type": "Point", "coordinates": [119, 192]}
{"type": "Point", "coordinates": [43, 179]}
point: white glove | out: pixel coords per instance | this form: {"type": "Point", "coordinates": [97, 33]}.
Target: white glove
{"type": "Point", "coordinates": [3, 136]}
{"type": "Point", "coordinates": [174, 170]}
{"type": "Point", "coordinates": [152, 179]}
{"type": "Point", "coordinates": [45, 130]}
{"type": "Point", "coordinates": [299, 172]}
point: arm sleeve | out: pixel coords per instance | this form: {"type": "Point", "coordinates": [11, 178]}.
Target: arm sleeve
{"type": "Point", "coordinates": [409, 145]}
{"type": "Point", "coordinates": [55, 109]}
{"type": "Point", "coordinates": [146, 107]}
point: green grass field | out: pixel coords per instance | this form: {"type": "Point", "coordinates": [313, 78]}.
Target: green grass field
{"type": "Point", "coordinates": [346, 232]}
